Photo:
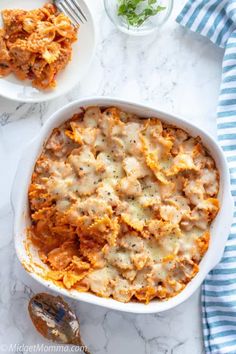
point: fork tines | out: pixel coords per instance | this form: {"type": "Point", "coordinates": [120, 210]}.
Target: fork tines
{"type": "Point", "coordinates": [72, 9]}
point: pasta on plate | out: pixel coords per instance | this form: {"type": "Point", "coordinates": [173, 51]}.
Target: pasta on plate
{"type": "Point", "coordinates": [121, 206]}
{"type": "Point", "coordinates": [36, 45]}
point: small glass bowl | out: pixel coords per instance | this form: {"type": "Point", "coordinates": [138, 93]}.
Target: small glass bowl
{"type": "Point", "coordinates": [152, 24]}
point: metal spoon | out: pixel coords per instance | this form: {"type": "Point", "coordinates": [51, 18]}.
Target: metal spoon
{"type": "Point", "coordinates": [55, 320]}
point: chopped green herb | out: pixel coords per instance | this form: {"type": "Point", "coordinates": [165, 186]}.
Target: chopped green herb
{"type": "Point", "coordinates": [136, 12]}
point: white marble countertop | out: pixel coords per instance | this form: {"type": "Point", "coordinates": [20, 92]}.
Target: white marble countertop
{"type": "Point", "coordinates": [176, 71]}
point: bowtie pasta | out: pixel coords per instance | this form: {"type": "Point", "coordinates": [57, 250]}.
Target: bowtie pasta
{"type": "Point", "coordinates": [121, 206]}
{"type": "Point", "coordinates": [36, 45]}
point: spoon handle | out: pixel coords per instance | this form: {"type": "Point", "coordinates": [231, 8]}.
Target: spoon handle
{"type": "Point", "coordinates": [77, 341]}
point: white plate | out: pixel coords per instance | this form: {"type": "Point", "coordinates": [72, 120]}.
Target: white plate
{"type": "Point", "coordinates": [83, 50]}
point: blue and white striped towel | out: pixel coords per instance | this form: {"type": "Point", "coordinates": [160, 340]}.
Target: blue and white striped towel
{"type": "Point", "coordinates": [216, 19]}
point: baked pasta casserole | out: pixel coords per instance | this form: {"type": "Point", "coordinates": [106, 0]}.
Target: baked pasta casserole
{"type": "Point", "coordinates": [121, 206]}
{"type": "Point", "coordinates": [36, 44]}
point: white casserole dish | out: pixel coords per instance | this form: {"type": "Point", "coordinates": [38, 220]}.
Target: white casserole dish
{"type": "Point", "coordinates": [220, 227]}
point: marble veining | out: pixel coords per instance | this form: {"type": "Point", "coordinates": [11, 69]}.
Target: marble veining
{"type": "Point", "coordinates": [173, 70]}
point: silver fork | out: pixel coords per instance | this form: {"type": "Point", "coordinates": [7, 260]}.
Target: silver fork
{"type": "Point", "coordinates": [72, 10]}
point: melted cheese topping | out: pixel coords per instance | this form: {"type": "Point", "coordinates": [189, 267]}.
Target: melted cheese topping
{"type": "Point", "coordinates": [122, 206]}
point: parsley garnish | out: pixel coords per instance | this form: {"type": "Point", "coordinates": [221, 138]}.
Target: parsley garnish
{"type": "Point", "coordinates": [137, 12]}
